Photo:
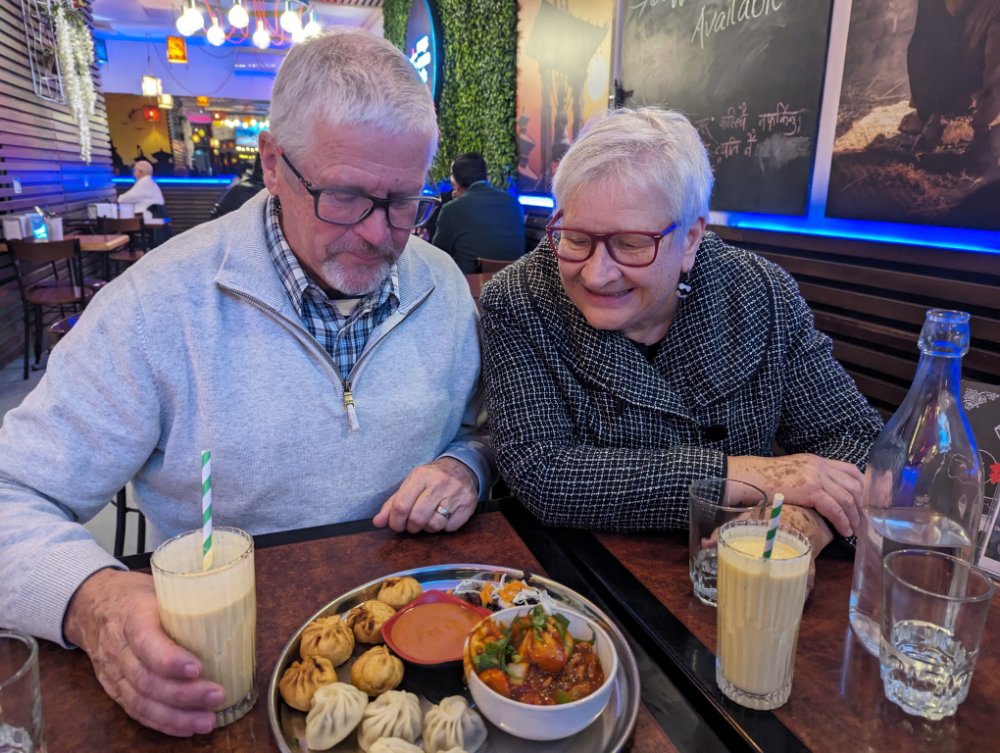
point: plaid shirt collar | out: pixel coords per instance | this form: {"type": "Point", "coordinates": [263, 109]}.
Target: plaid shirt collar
{"type": "Point", "coordinates": [298, 283]}
{"type": "Point", "coordinates": [343, 337]}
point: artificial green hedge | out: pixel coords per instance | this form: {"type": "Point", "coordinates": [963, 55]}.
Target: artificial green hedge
{"type": "Point", "coordinates": [478, 107]}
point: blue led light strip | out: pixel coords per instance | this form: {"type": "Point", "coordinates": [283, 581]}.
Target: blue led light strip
{"type": "Point", "coordinates": [182, 181]}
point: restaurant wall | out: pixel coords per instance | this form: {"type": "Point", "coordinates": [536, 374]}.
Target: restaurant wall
{"type": "Point", "coordinates": [40, 160]}
{"type": "Point", "coordinates": [132, 136]}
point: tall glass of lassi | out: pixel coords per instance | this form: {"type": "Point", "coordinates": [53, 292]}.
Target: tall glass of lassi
{"type": "Point", "coordinates": [213, 613]}
{"type": "Point", "coordinates": [760, 606]}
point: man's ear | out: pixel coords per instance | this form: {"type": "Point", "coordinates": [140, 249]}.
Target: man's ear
{"type": "Point", "coordinates": [270, 161]}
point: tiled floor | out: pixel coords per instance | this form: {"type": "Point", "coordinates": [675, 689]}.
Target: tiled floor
{"type": "Point", "coordinates": [13, 389]}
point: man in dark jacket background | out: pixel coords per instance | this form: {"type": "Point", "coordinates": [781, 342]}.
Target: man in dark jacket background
{"type": "Point", "coordinates": [239, 194]}
{"type": "Point", "coordinates": [481, 222]}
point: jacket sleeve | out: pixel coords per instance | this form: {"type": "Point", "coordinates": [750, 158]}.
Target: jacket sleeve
{"type": "Point", "coordinates": [443, 234]}
{"type": "Point", "coordinates": [822, 411]}
{"type": "Point", "coordinates": [88, 427]}
{"type": "Point", "coordinates": [559, 478]}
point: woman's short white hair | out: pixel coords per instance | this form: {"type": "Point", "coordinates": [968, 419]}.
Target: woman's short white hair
{"type": "Point", "coordinates": [348, 77]}
{"type": "Point", "coordinates": [649, 151]}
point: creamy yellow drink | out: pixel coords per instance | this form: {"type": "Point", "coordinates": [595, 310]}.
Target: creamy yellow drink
{"type": "Point", "coordinates": [213, 614]}
{"type": "Point", "coordinates": [760, 605]}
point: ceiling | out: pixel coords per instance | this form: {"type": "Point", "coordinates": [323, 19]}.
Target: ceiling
{"type": "Point", "coordinates": [155, 19]}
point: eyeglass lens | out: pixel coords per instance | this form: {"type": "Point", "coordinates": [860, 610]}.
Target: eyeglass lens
{"type": "Point", "coordinates": [629, 248]}
{"type": "Point", "coordinates": [345, 208]}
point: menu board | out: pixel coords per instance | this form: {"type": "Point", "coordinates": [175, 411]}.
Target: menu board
{"type": "Point", "coordinates": [982, 407]}
{"type": "Point", "coordinates": [749, 75]}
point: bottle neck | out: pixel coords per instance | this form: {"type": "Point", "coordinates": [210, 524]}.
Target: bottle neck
{"type": "Point", "coordinates": [937, 374]}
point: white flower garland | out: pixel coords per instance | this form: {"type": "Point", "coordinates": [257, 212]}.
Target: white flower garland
{"type": "Point", "coordinates": [76, 54]}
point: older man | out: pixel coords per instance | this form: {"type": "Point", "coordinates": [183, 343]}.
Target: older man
{"type": "Point", "coordinates": [328, 358]}
{"type": "Point", "coordinates": [145, 192]}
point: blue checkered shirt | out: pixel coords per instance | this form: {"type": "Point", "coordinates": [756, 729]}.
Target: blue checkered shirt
{"type": "Point", "coordinates": [342, 337]}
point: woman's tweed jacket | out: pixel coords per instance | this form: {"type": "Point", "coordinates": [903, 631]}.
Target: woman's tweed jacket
{"type": "Point", "coordinates": [589, 434]}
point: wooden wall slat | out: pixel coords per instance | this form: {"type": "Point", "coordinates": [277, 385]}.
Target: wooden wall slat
{"type": "Point", "coordinates": [872, 298]}
{"type": "Point", "coordinates": [39, 146]}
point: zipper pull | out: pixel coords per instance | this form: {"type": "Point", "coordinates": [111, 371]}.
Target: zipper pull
{"type": "Point", "coordinates": [352, 415]}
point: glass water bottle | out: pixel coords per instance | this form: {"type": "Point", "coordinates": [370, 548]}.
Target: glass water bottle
{"type": "Point", "coordinates": [923, 488]}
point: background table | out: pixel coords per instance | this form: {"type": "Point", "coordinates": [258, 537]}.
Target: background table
{"type": "Point", "coordinates": [297, 573]}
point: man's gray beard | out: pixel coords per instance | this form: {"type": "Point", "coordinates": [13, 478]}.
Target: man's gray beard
{"type": "Point", "coordinates": [358, 282]}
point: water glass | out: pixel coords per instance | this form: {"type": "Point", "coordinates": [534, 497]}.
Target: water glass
{"type": "Point", "coordinates": [713, 503]}
{"type": "Point", "coordinates": [21, 726]}
{"type": "Point", "coordinates": [934, 607]}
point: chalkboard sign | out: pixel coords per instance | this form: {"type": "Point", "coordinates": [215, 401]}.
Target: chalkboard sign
{"type": "Point", "coordinates": [749, 75]}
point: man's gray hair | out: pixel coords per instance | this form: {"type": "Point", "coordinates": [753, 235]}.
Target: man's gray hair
{"type": "Point", "coordinates": [348, 77]}
{"type": "Point", "coordinates": [648, 151]}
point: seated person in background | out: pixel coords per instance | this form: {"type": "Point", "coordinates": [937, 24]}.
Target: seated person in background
{"type": "Point", "coordinates": [145, 192]}
{"type": "Point", "coordinates": [249, 185]}
{"type": "Point", "coordinates": [633, 352]}
{"type": "Point", "coordinates": [481, 222]}
{"type": "Point", "coordinates": [327, 357]}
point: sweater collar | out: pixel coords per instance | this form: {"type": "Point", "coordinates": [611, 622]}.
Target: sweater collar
{"type": "Point", "coordinates": [715, 342]}
{"type": "Point", "coordinates": [248, 266]}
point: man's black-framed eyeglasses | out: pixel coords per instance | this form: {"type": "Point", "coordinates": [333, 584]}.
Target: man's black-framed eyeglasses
{"type": "Point", "coordinates": [341, 206]}
{"type": "Point", "coordinates": [629, 248]}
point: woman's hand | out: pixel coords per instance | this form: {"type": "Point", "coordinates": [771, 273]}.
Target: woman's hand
{"type": "Point", "coordinates": [831, 487]}
{"type": "Point", "coordinates": [813, 527]}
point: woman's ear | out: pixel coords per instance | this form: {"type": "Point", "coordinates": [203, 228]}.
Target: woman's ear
{"type": "Point", "coordinates": [692, 240]}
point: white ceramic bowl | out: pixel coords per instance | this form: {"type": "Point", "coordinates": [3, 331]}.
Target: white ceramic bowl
{"type": "Point", "coordinates": [546, 722]}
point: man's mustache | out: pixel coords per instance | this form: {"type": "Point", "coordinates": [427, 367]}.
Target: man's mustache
{"type": "Point", "coordinates": [386, 252]}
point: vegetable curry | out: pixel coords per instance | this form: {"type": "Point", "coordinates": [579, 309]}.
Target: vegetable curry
{"type": "Point", "coordinates": [535, 660]}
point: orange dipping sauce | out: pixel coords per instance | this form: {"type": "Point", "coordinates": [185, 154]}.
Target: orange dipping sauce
{"type": "Point", "coordinates": [434, 632]}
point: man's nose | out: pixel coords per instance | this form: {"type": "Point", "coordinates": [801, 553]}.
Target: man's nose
{"type": "Point", "coordinates": [375, 228]}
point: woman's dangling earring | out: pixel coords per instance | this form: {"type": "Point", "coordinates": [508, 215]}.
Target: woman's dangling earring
{"type": "Point", "coordinates": [683, 289]}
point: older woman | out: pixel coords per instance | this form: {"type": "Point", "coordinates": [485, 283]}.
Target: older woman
{"type": "Point", "coordinates": [633, 352]}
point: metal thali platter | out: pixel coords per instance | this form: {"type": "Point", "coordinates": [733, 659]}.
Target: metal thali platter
{"type": "Point", "coordinates": [607, 734]}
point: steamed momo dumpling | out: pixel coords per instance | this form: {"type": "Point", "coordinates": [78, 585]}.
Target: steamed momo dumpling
{"type": "Point", "coordinates": [302, 679]}
{"type": "Point", "coordinates": [328, 637]}
{"type": "Point", "coordinates": [453, 724]}
{"type": "Point", "coordinates": [395, 713]}
{"type": "Point", "coordinates": [393, 745]}
{"type": "Point", "coordinates": [398, 592]}
{"type": "Point", "coordinates": [336, 711]}
{"type": "Point", "coordinates": [367, 620]}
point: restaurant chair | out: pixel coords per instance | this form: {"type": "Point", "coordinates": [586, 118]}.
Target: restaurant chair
{"type": "Point", "coordinates": [121, 512]}
{"type": "Point", "coordinates": [54, 295]}
{"type": "Point", "coordinates": [58, 330]}
{"type": "Point", "coordinates": [492, 265]}
{"type": "Point", "coordinates": [136, 247]}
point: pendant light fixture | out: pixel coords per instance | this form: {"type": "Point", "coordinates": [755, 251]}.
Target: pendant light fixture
{"type": "Point", "coordinates": [238, 16]}
{"type": "Point", "coordinates": [260, 37]}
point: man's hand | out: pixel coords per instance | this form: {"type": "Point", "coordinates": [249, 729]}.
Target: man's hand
{"type": "Point", "coordinates": [832, 487]}
{"type": "Point", "coordinates": [446, 482]}
{"type": "Point", "coordinates": [114, 618]}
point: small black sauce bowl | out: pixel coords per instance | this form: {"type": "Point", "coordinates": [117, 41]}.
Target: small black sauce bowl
{"type": "Point", "coordinates": [435, 680]}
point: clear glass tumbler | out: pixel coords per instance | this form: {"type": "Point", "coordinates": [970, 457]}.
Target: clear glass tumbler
{"type": "Point", "coordinates": [21, 727]}
{"type": "Point", "coordinates": [760, 607]}
{"type": "Point", "coordinates": [213, 614]}
{"type": "Point", "coordinates": [933, 611]}
{"type": "Point", "coordinates": [713, 503]}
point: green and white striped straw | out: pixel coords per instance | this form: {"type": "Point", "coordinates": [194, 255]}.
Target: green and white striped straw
{"type": "Point", "coordinates": [207, 555]}
{"type": "Point", "coordinates": [772, 528]}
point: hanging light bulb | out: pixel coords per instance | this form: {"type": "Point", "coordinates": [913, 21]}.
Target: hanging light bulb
{"type": "Point", "coordinates": [260, 37]}
{"type": "Point", "coordinates": [151, 86]}
{"type": "Point", "coordinates": [238, 16]}
{"type": "Point", "coordinates": [299, 35]}
{"type": "Point", "coordinates": [313, 29]}
{"type": "Point", "coordinates": [290, 20]}
{"type": "Point", "coordinates": [190, 21]}
{"type": "Point", "coordinates": [216, 36]}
